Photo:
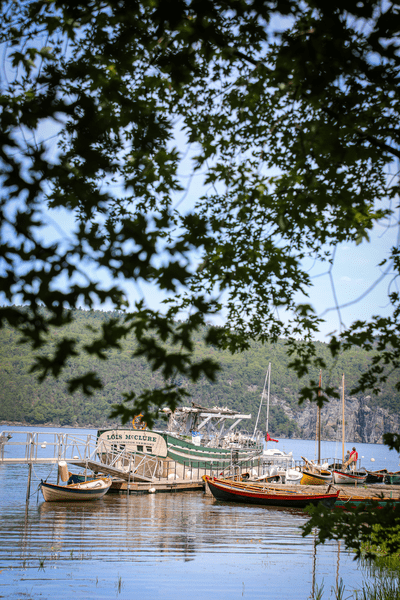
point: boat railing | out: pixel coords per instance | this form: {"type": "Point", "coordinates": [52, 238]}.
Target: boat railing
{"type": "Point", "coordinates": [45, 447]}
{"type": "Point", "coordinates": [134, 462]}
{"type": "Point", "coordinates": [21, 447]}
{"type": "Point", "coordinates": [252, 464]}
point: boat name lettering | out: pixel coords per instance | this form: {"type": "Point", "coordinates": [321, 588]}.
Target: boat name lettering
{"type": "Point", "coordinates": [142, 438]}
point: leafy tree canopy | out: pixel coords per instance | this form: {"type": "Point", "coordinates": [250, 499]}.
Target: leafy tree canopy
{"type": "Point", "coordinates": [292, 112]}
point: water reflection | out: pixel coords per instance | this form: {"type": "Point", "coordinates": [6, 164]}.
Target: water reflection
{"type": "Point", "coordinates": [183, 539]}
{"type": "Point", "coordinates": [160, 525]}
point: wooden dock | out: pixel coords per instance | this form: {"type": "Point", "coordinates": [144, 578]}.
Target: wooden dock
{"type": "Point", "coordinates": [156, 486]}
{"type": "Point", "coordinates": [125, 482]}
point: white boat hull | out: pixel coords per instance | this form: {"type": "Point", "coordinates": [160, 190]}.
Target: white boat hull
{"type": "Point", "coordinates": [342, 477]}
{"type": "Point", "coordinates": [292, 477]}
{"type": "Point", "coordinates": [88, 490]}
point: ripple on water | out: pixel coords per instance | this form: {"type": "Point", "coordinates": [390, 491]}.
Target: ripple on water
{"type": "Point", "coordinates": [159, 542]}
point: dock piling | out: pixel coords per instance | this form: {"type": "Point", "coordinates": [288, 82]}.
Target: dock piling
{"type": "Point", "coordinates": [28, 491]}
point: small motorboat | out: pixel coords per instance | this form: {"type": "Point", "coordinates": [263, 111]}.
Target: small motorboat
{"type": "Point", "coordinates": [93, 489]}
{"type": "Point", "coordinates": [267, 495]}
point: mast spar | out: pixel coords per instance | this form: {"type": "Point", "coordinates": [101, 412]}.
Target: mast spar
{"type": "Point", "coordinates": [319, 420]}
{"type": "Point", "coordinates": [343, 424]}
{"type": "Point", "coordinates": [267, 379]}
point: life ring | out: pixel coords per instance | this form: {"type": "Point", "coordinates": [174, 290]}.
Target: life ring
{"type": "Point", "coordinates": [137, 422]}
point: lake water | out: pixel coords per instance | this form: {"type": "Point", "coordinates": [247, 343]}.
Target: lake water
{"type": "Point", "coordinates": [171, 546]}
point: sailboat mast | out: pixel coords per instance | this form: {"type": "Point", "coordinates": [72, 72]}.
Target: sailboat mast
{"type": "Point", "coordinates": [343, 419]}
{"type": "Point", "coordinates": [262, 398]}
{"type": "Point", "coordinates": [269, 384]}
{"type": "Point", "coordinates": [319, 420]}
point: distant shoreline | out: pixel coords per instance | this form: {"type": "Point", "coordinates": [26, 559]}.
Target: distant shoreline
{"type": "Point", "coordinates": [48, 425]}
{"type": "Point", "coordinates": [119, 426]}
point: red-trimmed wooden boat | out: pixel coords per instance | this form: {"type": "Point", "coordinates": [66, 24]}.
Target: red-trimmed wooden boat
{"type": "Point", "coordinates": [340, 477]}
{"type": "Point", "coordinates": [93, 489]}
{"type": "Point", "coordinates": [376, 476]}
{"type": "Point", "coordinates": [258, 493]}
{"type": "Point", "coordinates": [342, 474]}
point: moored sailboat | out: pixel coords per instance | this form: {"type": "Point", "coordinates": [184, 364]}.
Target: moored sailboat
{"type": "Point", "coordinates": [315, 473]}
{"type": "Point", "coordinates": [272, 456]}
{"type": "Point", "coordinates": [344, 475]}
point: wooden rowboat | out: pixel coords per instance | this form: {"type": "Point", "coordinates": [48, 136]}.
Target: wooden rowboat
{"type": "Point", "coordinates": [257, 493]}
{"type": "Point", "coordinates": [314, 474]}
{"type": "Point", "coordinates": [341, 477]}
{"type": "Point", "coordinates": [322, 477]}
{"type": "Point", "coordinates": [376, 476]}
{"type": "Point", "coordinates": [93, 489]}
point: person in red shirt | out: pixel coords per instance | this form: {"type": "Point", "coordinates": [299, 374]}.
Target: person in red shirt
{"type": "Point", "coordinates": [353, 459]}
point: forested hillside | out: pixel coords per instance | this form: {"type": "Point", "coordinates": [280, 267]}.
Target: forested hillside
{"type": "Point", "coordinates": [239, 385]}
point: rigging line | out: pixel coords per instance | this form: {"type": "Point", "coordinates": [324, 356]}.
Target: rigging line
{"type": "Point", "coordinates": [39, 478]}
{"type": "Point", "coordinates": [184, 196]}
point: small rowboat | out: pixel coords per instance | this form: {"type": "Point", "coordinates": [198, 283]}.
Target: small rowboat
{"type": "Point", "coordinates": [321, 477]}
{"type": "Point", "coordinates": [258, 493]}
{"type": "Point", "coordinates": [93, 489]}
{"type": "Point", "coordinates": [376, 476]}
{"type": "Point", "coordinates": [315, 474]}
{"type": "Point", "coordinates": [341, 477]}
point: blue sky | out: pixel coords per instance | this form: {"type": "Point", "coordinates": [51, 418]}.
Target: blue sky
{"type": "Point", "coordinates": [354, 272]}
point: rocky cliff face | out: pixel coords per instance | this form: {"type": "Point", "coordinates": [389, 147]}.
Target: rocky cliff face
{"type": "Point", "coordinates": [362, 423]}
